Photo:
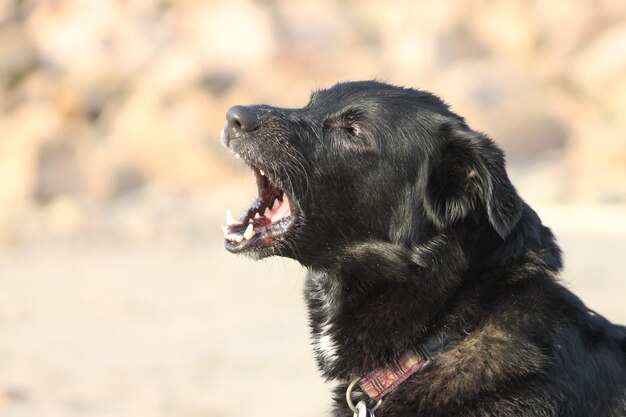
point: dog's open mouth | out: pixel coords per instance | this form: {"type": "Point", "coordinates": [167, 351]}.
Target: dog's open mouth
{"type": "Point", "coordinates": [269, 217]}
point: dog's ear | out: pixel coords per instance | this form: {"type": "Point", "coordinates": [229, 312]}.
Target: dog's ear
{"type": "Point", "coordinates": [469, 172]}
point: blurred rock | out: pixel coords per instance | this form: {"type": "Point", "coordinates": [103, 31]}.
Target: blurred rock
{"type": "Point", "coordinates": [57, 171]}
{"type": "Point", "coordinates": [509, 28]}
{"type": "Point", "coordinates": [230, 34]}
{"type": "Point", "coordinates": [11, 395]}
{"type": "Point", "coordinates": [496, 99]}
{"type": "Point", "coordinates": [580, 16]}
{"type": "Point", "coordinates": [17, 55]}
{"type": "Point", "coordinates": [597, 164]}
{"type": "Point", "coordinates": [63, 216]}
{"type": "Point", "coordinates": [602, 60]}
{"type": "Point", "coordinates": [127, 180]}
{"type": "Point", "coordinates": [459, 43]}
{"type": "Point", "coordinates": [22, 132]}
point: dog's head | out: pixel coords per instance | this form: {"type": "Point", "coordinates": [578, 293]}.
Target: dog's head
{"type": "Point", "coordinates": [361, 161]}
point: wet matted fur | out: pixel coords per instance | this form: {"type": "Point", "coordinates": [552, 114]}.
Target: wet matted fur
{"type": "Point", "coordinates": [408, 225]}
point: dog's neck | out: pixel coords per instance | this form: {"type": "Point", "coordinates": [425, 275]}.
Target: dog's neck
{"type": "Point", "coordinates": [367, 312]}
{"type": "Point", "coordinates": [381, 299]}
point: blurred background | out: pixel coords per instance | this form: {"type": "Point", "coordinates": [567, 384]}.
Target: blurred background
{"type": "Point", "coordinates": [116, 296]}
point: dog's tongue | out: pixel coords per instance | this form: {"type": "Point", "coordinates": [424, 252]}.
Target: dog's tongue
{"type": "Point", "coordinates": [283, 210]}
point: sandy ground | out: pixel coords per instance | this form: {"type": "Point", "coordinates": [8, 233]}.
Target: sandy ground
{"type": "Point", "coordinates": [172, 329]}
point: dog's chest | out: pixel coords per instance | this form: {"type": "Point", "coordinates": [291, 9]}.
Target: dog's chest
{"type": "Point", "coordinates": [322, 294]}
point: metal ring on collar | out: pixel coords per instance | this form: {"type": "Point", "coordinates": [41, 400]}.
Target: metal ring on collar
{"type": "Point", "coordinates": [349, 397]}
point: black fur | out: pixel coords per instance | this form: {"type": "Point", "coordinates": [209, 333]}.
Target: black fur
{"type": "Point", "coordinates": [408, 224]}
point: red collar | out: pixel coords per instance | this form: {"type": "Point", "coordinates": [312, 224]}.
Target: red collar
{"type": "Point", "coordinates": [381, 381]}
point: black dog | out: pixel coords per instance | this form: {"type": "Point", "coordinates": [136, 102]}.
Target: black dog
{"type": "Point", "coordinates": [431, 283]}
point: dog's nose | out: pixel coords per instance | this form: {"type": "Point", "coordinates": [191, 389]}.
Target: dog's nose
{"type": "Point", "coordinates": [242, 118]}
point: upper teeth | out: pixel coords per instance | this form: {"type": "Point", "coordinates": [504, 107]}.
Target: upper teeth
{"type": "Point", "coordinates": [276, 204]}
{"type": "Point", "coordinates": [237, 156]}
{"type": "Point", "coordinates": [230, 220]}
{"type": "Point", "coordinates": [262, 173]}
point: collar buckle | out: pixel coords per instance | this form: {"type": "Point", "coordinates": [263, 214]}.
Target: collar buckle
{"type": "Point", "coordinates": [358, 409]}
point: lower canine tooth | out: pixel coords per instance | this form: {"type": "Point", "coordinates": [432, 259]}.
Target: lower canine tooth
{"type": "Point", "coordinates": [276, 204]}
{"type": "Point", "coordinates": [262, 173]}
{"type": "Point", "coordinates": [249, 232]}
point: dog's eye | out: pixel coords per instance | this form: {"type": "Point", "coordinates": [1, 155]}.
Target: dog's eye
{"type": "Point", "coordinates": [356, 131]}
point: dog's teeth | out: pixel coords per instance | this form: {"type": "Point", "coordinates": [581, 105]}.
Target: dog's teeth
{"type": "Point", "coordinates": [234, 238]}
{"type": "Point", "coordinates": [230, 220]}
{"type": "Point", "coordinates": [237, 156]}
{"type": "Point", "coordinates": [262, 173]}
{"type": "Point", "coordinates": [276, 204]}
{"type": "Point", "coordinates": [249, 232]}
{"type": "Point", "coordinates": [224, 229]}
{"type": "Point", "coordinates": [257, 215]}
